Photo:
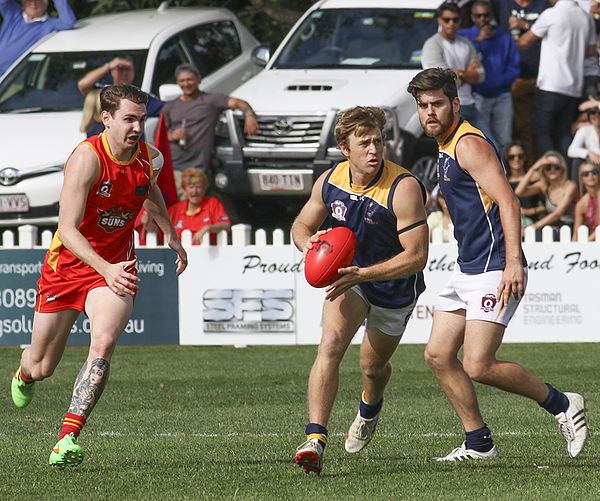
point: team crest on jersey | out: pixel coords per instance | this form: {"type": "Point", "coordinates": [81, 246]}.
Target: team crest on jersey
{"type": "Point", "coordinates": [338, 210]}
{"type": "Point", "coordinates": [104, 189]}
{"type": "Point", "coordinates": [488, 302]}
{"type": "Point", "coordinates": [113, 219]}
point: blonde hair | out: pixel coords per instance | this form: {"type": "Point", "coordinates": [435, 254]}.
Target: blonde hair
{"type": "Point", "coordinates": [563, 164]}
{"type": "Point", "coordinates": [193, 175]}
{"type": "Point", "coordinates": [91, 110]}
{"type": "Point", "coordinates": [582, 189]}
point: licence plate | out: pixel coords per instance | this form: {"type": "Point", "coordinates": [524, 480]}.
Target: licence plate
{"type": "Point", "coordinates": [14, 203]}
{"type": "Point", "coordinates": [281, 182]}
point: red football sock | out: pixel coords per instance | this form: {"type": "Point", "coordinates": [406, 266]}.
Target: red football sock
{"type": "Point", "coordinates": [72, 424]}
{"type": "Point", "coordinates": [24, 378]}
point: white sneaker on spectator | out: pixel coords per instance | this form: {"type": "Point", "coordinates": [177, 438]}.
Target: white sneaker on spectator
{"type": "Point", "coordinates": [463, 454]}
{"type": "Point", "coordinates": [573, 424]}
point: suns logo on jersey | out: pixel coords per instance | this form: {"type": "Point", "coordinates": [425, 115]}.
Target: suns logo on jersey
{"type": "Point", "coordinates": [113, 219]}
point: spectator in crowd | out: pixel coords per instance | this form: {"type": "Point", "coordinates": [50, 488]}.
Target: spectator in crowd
{"type": "Point", "coordinates": [515, 160]}
{"type": "Point", "coordinates": [517, 16]}
{"type": "Point", "coordinates": [23, 26]}
{"type": "Point", "coordinates": [440, 218]}
{"type": "Point", "coordinates": [561, 193]}
{"type": "Point", "coordinates": [500, 59]}
{"type": "Point", "coordinates": [568, 37]}
{"type": "Point", "coordinates": [591, 65]}
{"type": "Point", "coordinates": [586, 210]}
{"type": "Point", "coordinates": [191, 120]}
{"type": "Point", "coordinates": [586, 143]}
{"type": "Point", "coordinates": [198, 213]}
{"type": "Point", "coordinates": [91, 118]}
{"type": "Point", "coordinates": [446, 49]}
{"type": "Point", "coordinates": [122, 72]}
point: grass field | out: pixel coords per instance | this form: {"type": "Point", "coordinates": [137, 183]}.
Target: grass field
{"type": "Point", "coordinates": [223, 423]}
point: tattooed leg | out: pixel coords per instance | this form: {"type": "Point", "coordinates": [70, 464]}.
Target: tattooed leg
{"type": "Point", "coordinates": [89, 386]}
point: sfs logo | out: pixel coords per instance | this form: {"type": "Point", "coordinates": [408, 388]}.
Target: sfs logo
{"type": "Point", "coordinates": [248, 305]}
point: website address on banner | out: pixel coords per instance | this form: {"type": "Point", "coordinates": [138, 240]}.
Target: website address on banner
{"type": "Point", "coordinates": [24, 325]}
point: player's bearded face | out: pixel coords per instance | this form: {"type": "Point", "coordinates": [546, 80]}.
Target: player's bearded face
{"type": "Point", "coordinates": [127, 125]}
{"type": "Point", "coordinates": [436, 113]}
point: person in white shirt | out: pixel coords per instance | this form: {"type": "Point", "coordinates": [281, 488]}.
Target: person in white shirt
{"type": "Point", "coordinates": [568, 37]}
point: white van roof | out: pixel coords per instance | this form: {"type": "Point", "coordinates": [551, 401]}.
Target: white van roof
{"type": "Point", "coordinates": [136, 30]}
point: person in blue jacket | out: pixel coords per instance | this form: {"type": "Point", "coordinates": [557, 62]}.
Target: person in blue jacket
{"type": "Point", "coordinates": [23, 26]}
{"type": "Point", "coordinates": [500, 58]}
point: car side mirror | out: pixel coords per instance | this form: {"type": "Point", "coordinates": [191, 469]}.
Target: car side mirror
{"type": "Point", "coordinates": [168, 92]}
{"type": "Point", "coordinates": [261, 55]}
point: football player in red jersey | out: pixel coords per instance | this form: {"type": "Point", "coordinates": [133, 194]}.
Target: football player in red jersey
{"type": "Point", "coordinates": [90, 265]}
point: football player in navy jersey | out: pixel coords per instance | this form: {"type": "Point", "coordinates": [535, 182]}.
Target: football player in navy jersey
{"type": "Point", "coordinates": [384, 205]}
{"type": "Point", "coordinates": [489, 280]}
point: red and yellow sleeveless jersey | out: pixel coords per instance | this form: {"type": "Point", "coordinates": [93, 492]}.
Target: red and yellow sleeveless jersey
{"type": "Point", "coordinates": [113, 204]}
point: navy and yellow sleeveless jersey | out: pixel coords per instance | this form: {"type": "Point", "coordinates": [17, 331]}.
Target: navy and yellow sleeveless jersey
{"type": "Point", "coordinates": [368, 211]}
{"type": "Point", "coordinates": [476, 218]}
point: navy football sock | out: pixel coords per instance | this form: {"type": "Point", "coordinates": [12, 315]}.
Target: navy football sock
{"type": "Point", "coordinates": [368, 411]}
{"type": "Point", "coordinates": [314, 430]}
{"type": "Point", "coordinates": [479, 440]}
{"type": "Point", "coordinates": [556, 401]}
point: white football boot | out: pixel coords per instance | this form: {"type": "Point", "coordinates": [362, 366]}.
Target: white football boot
{"type": "Point", "coordinates": [573, 424]}
{"type": "Point", "coordinates": [360, 433]}
{"type": "Point", "coordinates": [463, 454]}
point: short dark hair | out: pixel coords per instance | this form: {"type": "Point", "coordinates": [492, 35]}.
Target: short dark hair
{"type": "Point", "coordinates": [112, 95]}
{"type": "Point", "coordinates": [452, 7]}
{"type": "Point", "coordinates": [358, 120]}
{"type": "Point", "coordinates": [434, 79]}
{"type": "Point", "coordinates": [187, 68]}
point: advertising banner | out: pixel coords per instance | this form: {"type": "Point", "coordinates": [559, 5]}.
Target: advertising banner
{"type": "Point", "coordinates": [240, 295]}
{"type": "Point", "coordinates": [155, 314]}
{"type": "Point", "coordinates": [258, 295]}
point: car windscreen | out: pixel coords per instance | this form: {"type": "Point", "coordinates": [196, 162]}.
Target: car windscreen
{"type": "Point", "coordinates": [48, 81]}
{"type": "Point", "coordinates": [363, 38]}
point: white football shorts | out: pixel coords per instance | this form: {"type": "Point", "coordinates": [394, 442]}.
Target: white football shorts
{"type": "Point", "coordinates": [390, 321]}
{"type": "Point", "coordinates": [476, 293]}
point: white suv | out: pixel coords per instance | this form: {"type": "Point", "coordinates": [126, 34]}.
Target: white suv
{"type": "Point", "coordinates": [40, 105]}
{"type": "Point", "coordinates": [340, 54]}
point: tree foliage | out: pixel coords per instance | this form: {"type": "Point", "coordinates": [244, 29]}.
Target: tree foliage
{"type": "Point", "coordinates": [268, 20]}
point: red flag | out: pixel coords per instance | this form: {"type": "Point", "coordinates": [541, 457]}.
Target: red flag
{"type": "Point", "coordinates": [166, 179]}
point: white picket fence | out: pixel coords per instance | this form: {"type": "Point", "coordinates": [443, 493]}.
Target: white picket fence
{"type": "Point", "coordinates": [28, 237]}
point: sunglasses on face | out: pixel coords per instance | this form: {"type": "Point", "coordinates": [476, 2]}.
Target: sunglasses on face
{"type": "Point", "coordinates": [481, 15]}
{"type": "Point", "coordinates": [449, 20]}
{"type": "Point", "coordinates": [550, 167]}
{"type": "Point", "coordinates": [514, 156]}
{"type": "Point", "coordinates": [586, 173]}
{"type": "Point", "coordinates": [593, 112]}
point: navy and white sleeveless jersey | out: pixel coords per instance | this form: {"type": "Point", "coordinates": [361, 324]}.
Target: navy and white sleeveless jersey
{"type": "Point", "coordinates": [368, 211]}
{"type": "Point", "coordinates": [475, 216]}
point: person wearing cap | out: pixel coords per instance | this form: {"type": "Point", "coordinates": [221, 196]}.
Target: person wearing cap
{"type": "Point", "coordinates": [191, 121]}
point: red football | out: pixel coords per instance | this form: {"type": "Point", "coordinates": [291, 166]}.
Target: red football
{"type": "Point", "coordinates": [334, 250]}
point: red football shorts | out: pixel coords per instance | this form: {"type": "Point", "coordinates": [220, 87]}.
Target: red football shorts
{"type": "Point", "coordinates": [57, 294]}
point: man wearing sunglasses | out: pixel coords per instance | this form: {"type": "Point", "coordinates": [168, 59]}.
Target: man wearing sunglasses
{"type": "Point", "coordinates": [500, 59]}
{"type": "Point", "coordinates": [447, 49]}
